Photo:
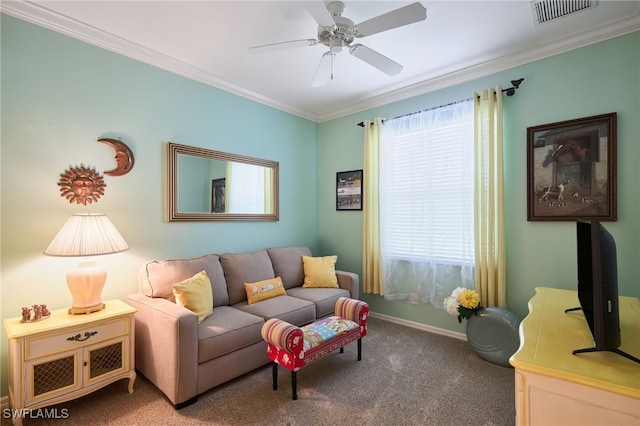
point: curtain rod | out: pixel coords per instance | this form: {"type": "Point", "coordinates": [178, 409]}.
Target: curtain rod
{"type": "Point", "coordinates": [510, 91]}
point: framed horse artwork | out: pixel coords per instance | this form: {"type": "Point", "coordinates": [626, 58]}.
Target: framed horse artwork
{"type": "Point", "coordinates": [571, 170]}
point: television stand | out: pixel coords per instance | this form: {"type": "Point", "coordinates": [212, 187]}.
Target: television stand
{"type": "Point", "coordinates": [615, 351]}
{"type": "Point", "coordinates": [554, 387]}
{"type": "Point", "coordinates": [585, 350]}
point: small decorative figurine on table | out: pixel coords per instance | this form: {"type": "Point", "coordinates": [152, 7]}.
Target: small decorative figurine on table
{"type": "Point", "coordinates": [36, 313]}
{"type": "Point", "coordinates": [26, 314]}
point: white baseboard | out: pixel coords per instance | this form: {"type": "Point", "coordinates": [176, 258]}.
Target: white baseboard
{"type": "Point", "coordinates": [419, 326]}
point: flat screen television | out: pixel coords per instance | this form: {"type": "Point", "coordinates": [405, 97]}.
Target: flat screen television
{"type": "Point", "coordinates": [598, 287]}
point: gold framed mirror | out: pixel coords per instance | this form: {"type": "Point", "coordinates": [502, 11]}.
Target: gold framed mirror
{"type": "Point", "coordinates": [208, 185]}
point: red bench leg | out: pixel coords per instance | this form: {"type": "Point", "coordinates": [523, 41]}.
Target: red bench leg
{"type": "Point", "coordinates": [294, 380]}
{"type": "Point", "coordinates": [274, 373]}
{"type": "Point", "coordinates": [294, 385]}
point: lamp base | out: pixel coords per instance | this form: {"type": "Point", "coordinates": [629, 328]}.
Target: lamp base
{"type": "Point", "coordinates": [85, 284]}
{"type": "Point", "coordinates": [75, 310]}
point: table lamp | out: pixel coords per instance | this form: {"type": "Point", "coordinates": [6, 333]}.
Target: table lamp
{"type": "Point", "coordinates": [86, 234]}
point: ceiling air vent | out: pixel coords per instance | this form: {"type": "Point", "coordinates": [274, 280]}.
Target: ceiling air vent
{"type": "Point", "coordinates": [548, 10]}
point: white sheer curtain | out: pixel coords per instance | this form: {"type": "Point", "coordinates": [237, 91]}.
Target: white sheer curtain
{"type": "Point", "coordinates": [427, 203]}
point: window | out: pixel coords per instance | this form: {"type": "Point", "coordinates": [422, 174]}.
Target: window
{"type": "Point", "coordinates": [245, 186]}
{"type": "Point", "coordinates": [427, 203]}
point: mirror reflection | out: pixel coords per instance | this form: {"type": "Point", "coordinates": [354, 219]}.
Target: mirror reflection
{"type": "Point", "coordinates": [214, 185]}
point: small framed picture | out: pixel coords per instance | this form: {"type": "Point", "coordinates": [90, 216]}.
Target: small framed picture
{"type": "Point", "coordinates": [349, 190]}
{"type": "Point", "coordinates": [217, 195]}
{"type": "Point", "coordinates": [571, 170]}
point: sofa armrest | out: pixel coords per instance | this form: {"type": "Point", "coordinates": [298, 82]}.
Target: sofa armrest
{"type": "Point", "coordinates": [354, 310]}
{"type": "Point", "coordinates": [349, 281]}
{"type": "Point", "coordinates": [166, 337]}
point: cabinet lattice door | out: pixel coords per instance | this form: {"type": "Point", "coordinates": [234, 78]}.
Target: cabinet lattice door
{"type": "Point", "coordinates": [53, 375]}
{"type": "Point", "coordinates": [105, 360]}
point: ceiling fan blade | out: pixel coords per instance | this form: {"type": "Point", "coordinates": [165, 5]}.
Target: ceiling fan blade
{"type": "Point", "coordinates": [414, 12]}
{"type": "Point", "coordinates": [324, 71]}
{"type": "Point", "coordinates": [375, 59]}
{"type": "Point", "coordinates": [283, 45]}
{"type": "Point", "coordinates": [319, 11]}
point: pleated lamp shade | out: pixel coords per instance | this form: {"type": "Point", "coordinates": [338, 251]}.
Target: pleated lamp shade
{"type": "Point", "coordinates": [86, 234]}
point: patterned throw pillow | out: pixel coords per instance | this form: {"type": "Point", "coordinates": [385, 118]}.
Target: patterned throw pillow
{"type": "Point", "coordinates": [265, 289]}
{"type": "Point", "coordinates": [195, 294]}
{"type": "Point", "coordinates": [320, 272]}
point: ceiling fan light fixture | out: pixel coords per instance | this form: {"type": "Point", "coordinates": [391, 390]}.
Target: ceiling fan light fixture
{"type": "Point", "coordinates": [336, 44]}
{"type": "Point", "coordinates": [338, 32]}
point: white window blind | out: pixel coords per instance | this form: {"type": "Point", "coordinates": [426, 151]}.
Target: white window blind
{"type": "Point", "coordinates": [427, 186]}
{"type": "Point", "coordinates": [245, 183]}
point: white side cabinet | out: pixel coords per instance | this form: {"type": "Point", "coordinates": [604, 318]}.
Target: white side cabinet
{"type": "Point", "coordinates": [67, 356]}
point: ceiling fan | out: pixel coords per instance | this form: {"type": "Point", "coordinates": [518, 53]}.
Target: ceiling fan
{"type": "Point", "coordinates": [337, 32]}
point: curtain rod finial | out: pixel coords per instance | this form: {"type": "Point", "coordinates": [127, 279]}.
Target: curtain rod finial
{"type": "Point", "coordinates": [516, 83]}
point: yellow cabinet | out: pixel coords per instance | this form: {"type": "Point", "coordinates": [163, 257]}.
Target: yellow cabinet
{"type": "Point", "coordinates": [555, 387]}
{"type": "Point", "coordinates": [68, 356]}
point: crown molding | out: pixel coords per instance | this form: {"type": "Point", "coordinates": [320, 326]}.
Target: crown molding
{"type": "Point", "coordinates": [39, 15]}
{"type": "Point", "coordinates": [490, 67]}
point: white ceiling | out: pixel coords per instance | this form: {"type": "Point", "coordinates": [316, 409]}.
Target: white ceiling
{"type": "Point", "coordinates": [208, 41]}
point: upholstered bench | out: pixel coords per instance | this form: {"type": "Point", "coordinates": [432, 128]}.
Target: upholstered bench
{"type": "Point", "coordinates": [294, 347]}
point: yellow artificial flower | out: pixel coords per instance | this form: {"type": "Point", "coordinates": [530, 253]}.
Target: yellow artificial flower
{"type": "Point", "coordinates": [469, 299]}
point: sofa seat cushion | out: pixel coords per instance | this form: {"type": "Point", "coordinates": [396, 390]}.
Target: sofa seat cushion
{"type": "Point", "coordinates": [324, 299]}
{"type": "Point", "coordinates": [227, 330]}
{"type": "Point", "coordinates": [287, 264]}
{"type": "Point", "coordinates": [290, 309]}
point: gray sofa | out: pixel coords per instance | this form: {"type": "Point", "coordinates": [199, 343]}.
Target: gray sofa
{"type": "Point", "coordinates": [184, 358]}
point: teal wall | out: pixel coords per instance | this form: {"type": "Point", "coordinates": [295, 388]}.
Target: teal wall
{"type": "Point", "coordinates": [60, 95]}
{"type": "Point", "coordinates": [593, 80]}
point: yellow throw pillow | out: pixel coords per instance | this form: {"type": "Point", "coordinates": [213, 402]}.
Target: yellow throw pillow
{"type": "Point", "coordinates": [195, 294]}
{"type": "Point", "coordinates": [265, 289]}
{"type": "Point", "coordinates": [320, 272]}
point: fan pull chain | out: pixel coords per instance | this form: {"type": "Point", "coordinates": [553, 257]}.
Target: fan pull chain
{"type": "Point", "coordinates": [333, 55]}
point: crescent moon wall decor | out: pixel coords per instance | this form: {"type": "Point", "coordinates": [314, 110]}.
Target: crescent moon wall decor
{"type": "Point", "coordinates": [124, 157]}
{"type": "Point", "coordinates": [81, 185]}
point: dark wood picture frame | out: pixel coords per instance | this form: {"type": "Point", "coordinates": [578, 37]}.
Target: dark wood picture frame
{"type": "Point", "coordinates": [349, 190]}
{"type": "Point", "coordinates": [217, 195]}
{"type": "Point", "coordinates": [571, 170]}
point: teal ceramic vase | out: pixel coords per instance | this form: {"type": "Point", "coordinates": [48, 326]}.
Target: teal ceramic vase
{"type": "Point", "coordinates": [493, 334]}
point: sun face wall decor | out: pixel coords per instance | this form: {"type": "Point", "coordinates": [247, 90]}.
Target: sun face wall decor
{"type": "Point", "coordinates": [81, 185]}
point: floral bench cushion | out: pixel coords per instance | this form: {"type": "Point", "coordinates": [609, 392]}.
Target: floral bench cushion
{"type": "Point", "coordinates": [324, 330]}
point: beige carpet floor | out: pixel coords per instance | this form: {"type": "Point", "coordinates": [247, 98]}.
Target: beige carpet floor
{"type": "Point", "coordinates": [406, 377]}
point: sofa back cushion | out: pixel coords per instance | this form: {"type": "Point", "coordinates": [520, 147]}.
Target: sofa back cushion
{"type": "Point", "coordinates": [240, 268]}
{"type": "Point", "coordinates": [287, 264]}
{"type": "Point", "coordinates": [158, 277]}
